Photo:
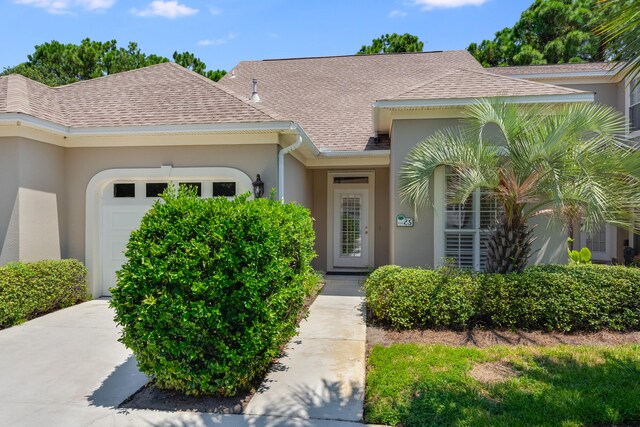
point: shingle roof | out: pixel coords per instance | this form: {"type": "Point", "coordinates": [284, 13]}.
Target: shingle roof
{"type": "Point", "coordinates": [586, 67]}
{"type": "Point", "coordinates": [331, 97]}
{"type": "Point", "coordinates": [163, 94]}
{"type": "Point", "coordinates": [479, 84]}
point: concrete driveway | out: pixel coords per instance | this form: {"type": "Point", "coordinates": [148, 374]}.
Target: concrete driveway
{"type": "Point", "coordinates": [68, 369]}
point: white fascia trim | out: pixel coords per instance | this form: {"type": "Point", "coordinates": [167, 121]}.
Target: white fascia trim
{"type": "Point", "coordinates": [456, 102]}
{"type": "Point", "coordinates": [204, 128]}
{"type": "Point", "coordinates": [306, 141]}
{"type": "Point", "coordinates": [20, 119]}
{"type": "Point", "coordinates": [366, 154]}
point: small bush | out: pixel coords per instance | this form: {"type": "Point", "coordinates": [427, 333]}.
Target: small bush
{"type": "Point", "coordinates": [554, 297]}
{"type": "Point", "coordinates": [410, 297]}
{"type": "Point", "coordinates": [212, 289]}
{"type": "Point", "coordinates": [32, 289]}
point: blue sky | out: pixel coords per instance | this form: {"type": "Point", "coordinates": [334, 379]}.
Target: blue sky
{"type": "Point", "coordinates": [224, 32]}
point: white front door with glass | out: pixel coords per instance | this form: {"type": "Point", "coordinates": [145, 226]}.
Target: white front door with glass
{"type": "Point", "coordinates": [351, 227]}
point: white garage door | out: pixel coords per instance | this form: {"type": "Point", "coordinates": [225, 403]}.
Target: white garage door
{"type": "Point", "coordinates": [123, 206]}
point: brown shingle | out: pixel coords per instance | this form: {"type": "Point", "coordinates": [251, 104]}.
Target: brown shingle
{"type": "Point", "coordinates": [331, 97]}
{"type": "Point", "coordinates": [587, 67]}
{"type": "Point", "coordinates": [163, 94]}
{"type": "Point", "coordinates": [479, 84]}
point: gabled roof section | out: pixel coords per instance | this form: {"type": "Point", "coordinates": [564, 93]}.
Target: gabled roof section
{"type": "Point", "coordinates": [331, 97]}
{"type": "Point", "coordinates": [464, 84]}
{"type": "Point", "coordinates": [163, 94]}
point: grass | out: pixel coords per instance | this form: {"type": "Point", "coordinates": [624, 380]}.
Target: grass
{"type": "Point", "coordinates": [430, 385]}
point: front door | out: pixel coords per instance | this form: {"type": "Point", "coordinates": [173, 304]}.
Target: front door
{"type": "Point", "coordinates": [351, 227]}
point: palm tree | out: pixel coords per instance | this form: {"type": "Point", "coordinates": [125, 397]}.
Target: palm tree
{"type": "Point", "coordinates": [567, 162]}
{"type": "Point", "coordinates": [621, 31]}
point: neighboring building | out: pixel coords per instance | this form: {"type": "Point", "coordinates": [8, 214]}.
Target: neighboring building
{"type": "Point", "coordinates": [80, 164]}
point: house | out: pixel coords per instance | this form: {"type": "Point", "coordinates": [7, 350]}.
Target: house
{"type": "Point", "coordinates": [80, 164]}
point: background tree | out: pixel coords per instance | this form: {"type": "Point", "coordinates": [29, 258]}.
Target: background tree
{"type": "Point", "coordinates": [621, 32]}
{"type": "Point", "coordinates": [565, 162]}
{"type": "Point", "coordinates": [548, 32]}
{"type": "Point", "coordinates": [54, 63]}
{"type": "Point", "coordinates": [394, 43]}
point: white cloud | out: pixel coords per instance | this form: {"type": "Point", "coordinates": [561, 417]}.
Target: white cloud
{"type": "Point", "coordinates": [446, 4]}
{"type": "Point", "coordinates": [96, 4]}
{"type": "Point", "coordinates": [60, 7]}
{"type": "Point", "coordinates": [218, 42]}
{"type": "Point", "coordinates": [166, 9]}
{"type": "Point", "coordinates": [397, 14]}
{"type": "Point", "coordinates": [215, 11]}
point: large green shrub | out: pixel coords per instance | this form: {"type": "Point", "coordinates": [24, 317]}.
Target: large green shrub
{"type": "Point", "coordinates": [212, 288]}
{"type": "Point", "coordinates": [31, 289]}
{"type": "Point", "coordinates": [554, 297]}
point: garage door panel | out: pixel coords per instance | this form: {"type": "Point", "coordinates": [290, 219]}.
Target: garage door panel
{"type": "Point", "coordinates": [119, 220]}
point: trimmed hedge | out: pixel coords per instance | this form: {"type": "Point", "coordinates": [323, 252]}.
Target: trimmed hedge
{"type": "Point", "coordinates": [212, 289]}
{"type": "Point", "coordinates": [553, 297]}
{"type": "Point", "coordinates": [32, 289]}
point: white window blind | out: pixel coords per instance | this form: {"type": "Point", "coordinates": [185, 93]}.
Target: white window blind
{"type": "Point", "coordinates": [597, 242]}
{"type": "Point", "coordinates": [634, 106]}
{"type": "Point", "coordinates": [468, 227]}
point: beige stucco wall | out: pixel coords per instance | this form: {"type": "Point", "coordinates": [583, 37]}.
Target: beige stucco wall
{"type": "Point", "coordinates": [550, 245]}
{"type": "Point", "coordinates": [298, 182]}
{"type": "Point", "coordinates": [319, 212]}
{"type": "Point", "coordinates": [32, 213]}
{"type": "Point", "coordinates": [9, 212]}
{"type": "Point", "coordinates": [411, 246]}
{"type": "Point", "coordinates": [415, 246]}
{"type": "Point", "coordinates": [604, 93]}
{"type": "Point", "coordinates": [81, 164]}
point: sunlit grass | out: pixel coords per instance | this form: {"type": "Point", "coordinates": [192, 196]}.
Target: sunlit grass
{"type": "Point", "coordinates": [426, 385]}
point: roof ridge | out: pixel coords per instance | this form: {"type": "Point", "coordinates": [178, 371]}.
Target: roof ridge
{"type": "Point", "coordinates": [111, 75]}
{"type": "Point", "coordinates": [17, 94]}
{"type": "Point", "coordinates": [261, 108]}
{"type": "Point", "coordinates": [422, 84]}
{"type": "Point", "coordinates": [353, 56]}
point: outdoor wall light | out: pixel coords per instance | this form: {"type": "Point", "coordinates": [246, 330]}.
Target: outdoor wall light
{"type": "Point", "coordinates": [258, 187]}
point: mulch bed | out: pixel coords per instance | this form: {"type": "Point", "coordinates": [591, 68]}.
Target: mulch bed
{"type": "Point", "coordinates": [485, 338]}
{"type": "Point", "coordinates": [151, 397]}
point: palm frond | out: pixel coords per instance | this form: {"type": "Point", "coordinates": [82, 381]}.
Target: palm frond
{"type": "Point", "coordinates": [621, 32]}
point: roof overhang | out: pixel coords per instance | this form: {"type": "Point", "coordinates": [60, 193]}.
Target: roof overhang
{"type": "Point", "coordinates": [613, 75]}
{"type": "Point", "coordinates": [26, 126]}
{"type": "Point", "coordinates": [382, 109]}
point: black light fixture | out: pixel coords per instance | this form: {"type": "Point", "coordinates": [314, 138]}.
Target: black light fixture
{"type": "Point", "coordinates": [258, 187]}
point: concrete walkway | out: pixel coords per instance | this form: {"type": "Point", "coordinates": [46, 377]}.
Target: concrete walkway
{"type": "Point", "coordinates": [322, 374]}
{"type": "Point", "coordinates": [68, 369]}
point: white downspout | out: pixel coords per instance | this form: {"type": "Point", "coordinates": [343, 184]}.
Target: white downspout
{"type": "Point", "coordinates": [281, 155]}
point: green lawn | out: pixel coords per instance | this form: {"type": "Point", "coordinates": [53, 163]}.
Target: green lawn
{"type": "Point", "coordinates": [430, 385]}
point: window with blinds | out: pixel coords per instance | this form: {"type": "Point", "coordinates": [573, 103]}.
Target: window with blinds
{"type": "Point", "coordinates": [468, 227]}
{"type": "Point", "coordinates": [597, 242]}
{"type": "Point", "coordinates": [634, 106]}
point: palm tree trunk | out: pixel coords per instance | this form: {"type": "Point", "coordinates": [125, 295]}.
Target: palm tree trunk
{"type": "Point", "coordinates": [509, 246]}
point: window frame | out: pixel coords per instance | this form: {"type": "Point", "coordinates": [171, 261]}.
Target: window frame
{"type": "Point", "coordinates": [479, 233]}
